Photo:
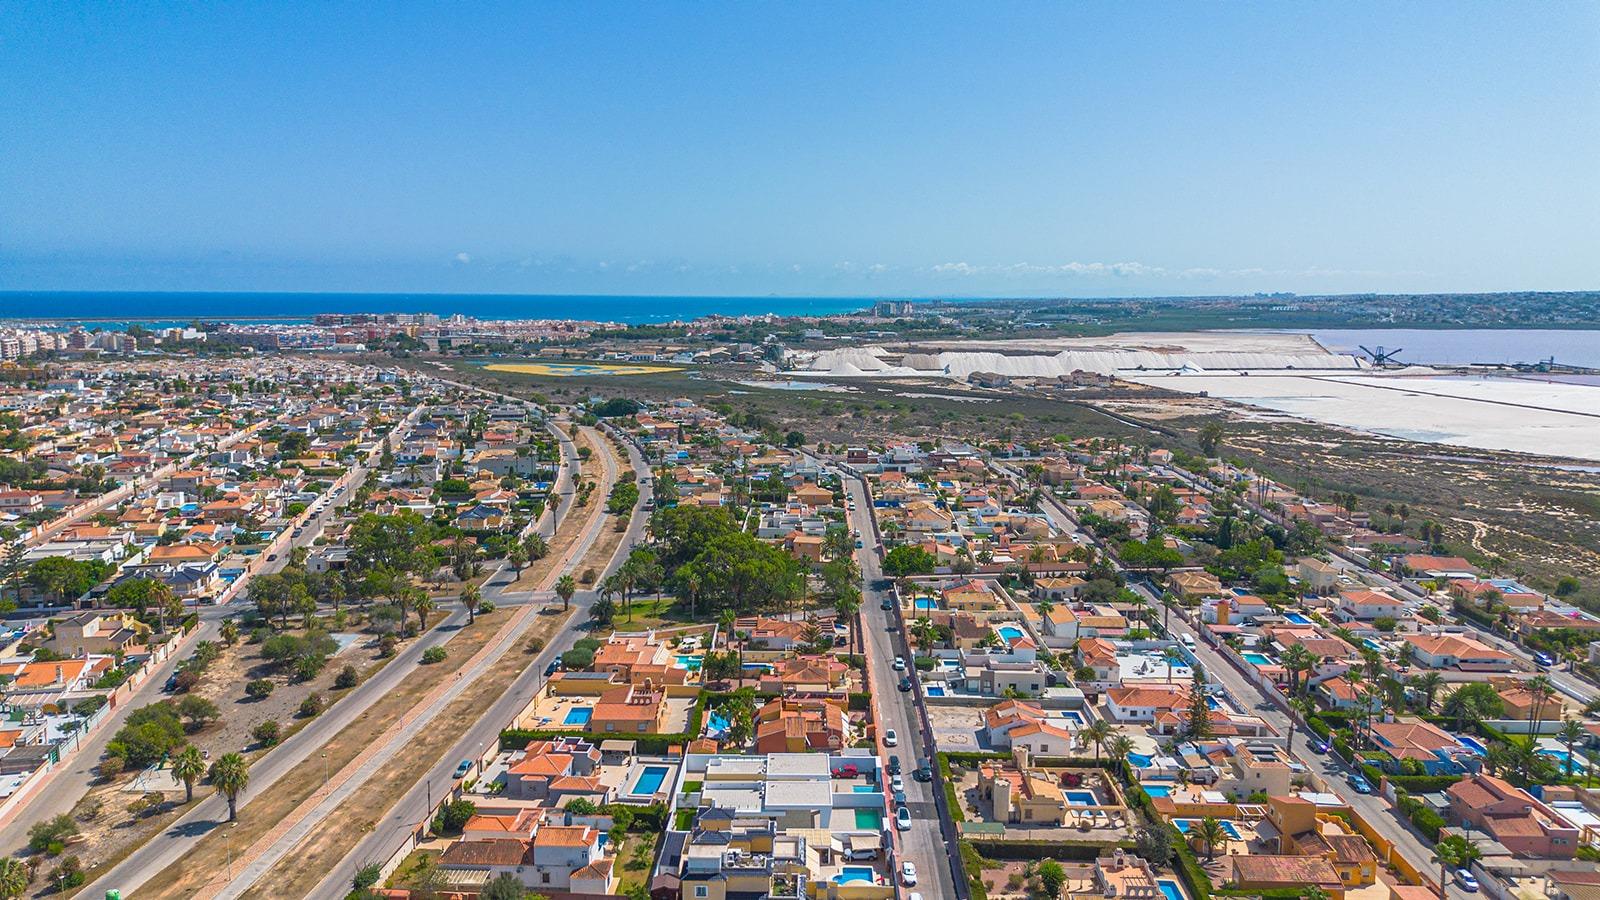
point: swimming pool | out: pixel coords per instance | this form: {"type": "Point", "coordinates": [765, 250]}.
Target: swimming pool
{"type": "Point", "coordinates": [578, 715]}
{"type": "Point", "coordinates": [855, 873]}
{"type": "Point", "coordinates": [1227, 827]}
{"type": "Point", "coordinates": [869, 819]}
{"type": "Point", "coordinates": [926, 603]}
{"type": "Point", "coordinates": [1297, 619]}
{"type": "Point", "coordinates": [1256, 659]}
{"type": "Point", "coordinates": [1081, 798]}
{"type": "Point", "coordinates": [1560, 756]}
{"type": "Point", "coordinates": [1140, 760]}
{"type": "Point", "coordinates": [934, 690]}
{"type": "Point", "coordinates": [689, 663]}
{"type": "Point", "coordinates": [716, 723]}
{"type": "Point", "coordinates": [1072, 716]}
{"type": "Point", "coordinates": [1157, 790]}
{"type": "Point", "coordinates": [1010, 632]}
{"type": "Point", "coordinates": [650, 780]}
{"type": "Point", "coordinates": [1170, 889]}
{"type": "Point", "coordinates": [1473, 745]}
{"type": "Point", "coordinates": [863, 788]}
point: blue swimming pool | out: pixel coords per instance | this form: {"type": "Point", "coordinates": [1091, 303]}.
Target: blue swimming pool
{"type": "Point", "coordinates": [1072, 716]}
{"type": "Point", "coordinates": [716, 723]}
{"type": "Point", "coordinates": [863, 788]}
{"type": "Point", "coordinates": [1227, 827]}
{"type": "Point", "coordinates": [926, 603]}
{"type": "Point", "coordinates": [1256, 659]}
{"type": "Point", "coordinates": [1473, 745]}
{"type": "Point", "coordinates": [1140, 760]}
{"type": "Point", "coordinates": [934, 690]}
{"type": "Point", "coordinates": [1010, 632]}
{"type": "Point", "coordinates": [650, 780]}
{"type": "Point", "coordinates": [1169, 889]}
{"type": "Point", "coordinates": [689, 663]}
{"type": "Point", "coordinates": [1297, 619]}
{"type": "Point", "coordinates": [855, 873]}
{"type": "Point", "coordinates": [1081, 798]}
{"type": "Point", "coordinates": [578, 716]}
{"type": "Point", "coordinates": [1157, 790]}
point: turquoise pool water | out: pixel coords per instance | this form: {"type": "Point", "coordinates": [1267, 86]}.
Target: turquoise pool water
{"type": "Point", "coordinates": [926, 603]}
{"type": "Point", "coordinates": [1157, 790]}
{"type": "Point", "coordinates": [935, 691]}
{"type": "Point", "coordinates": [1297, 619]}
{"type": "Point", "coordinates": [1170, 889]}
{"type": "Point", "coordinates": [863, 788]}
{"type": "Point", "coordinates": [716, 723]}
{"type": "Point", "coordinates": [650, 780]}
{"type": "Point", "coordinates": [1081, 798]}
{"type": "Point", "coordinates": [1227, 827]}
{"type": "Point", "coordinates": [855, 873]}
{"type": "Point", "coordinates": [869, 819]}
{"type": "Point", "coordinates": [578, 716]}
{"type": "Point", "coordinates": [1140, 760]}
{"type": "Point", "coordinates": [1010, 632]}
{"type": "Point", "coordinates": [689, 663]}
{"type": "Point", "coordinates": [1256, 659]}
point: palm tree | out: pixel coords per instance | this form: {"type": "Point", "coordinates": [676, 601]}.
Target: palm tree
{"type": "Point", "coordinates": [1541, 689]}
{"type": "Point", "coordinates": [1297, 659]}
{"type": "Point", "coordinates": [1427, 684]}
{"type": "Point", "coordinates": [1097, 734]}
{"type": "Point", "coordinates": [424, 606]}
{"type": "Point", "coordinates": [922, 630]}
{"type": "Point", "coordinates": [1571, 735]}
{"type": "Point", "coordinates": [566, 586]}
{"type": "Point", "coordinates": [1044, 607]}
{"type": "Point", "coordinates": [1302, 706]}
{"type": "Point", "coordinates": [1208, 831]}
{"type": "Point", "coordinates": [1119, 747]}
{"type": "Point", "coordinates": [847, 605]}
{"type": "Point", "coordinates": [1453, 852]}
{"type": "Point", "coordinates": [188, 767]}
{"type": "Point", "coordinates": [231, 774]}
{"type": "Point", "coordinates": [14, 877]}
{"type": "Point", "coordinates": [470, 598]}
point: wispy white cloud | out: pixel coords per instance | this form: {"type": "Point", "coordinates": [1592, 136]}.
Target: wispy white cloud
{"type": "Point", "coordinates": [463, 258]}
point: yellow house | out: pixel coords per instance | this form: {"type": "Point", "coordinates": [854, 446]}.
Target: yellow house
{"type": "Point", "coordinates": [1302, 831]}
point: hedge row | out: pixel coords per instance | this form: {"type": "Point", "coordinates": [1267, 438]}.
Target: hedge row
{"type": "Point", "coordinates": [1061, 850]}
{"type": "Point", "coordinates": [1424, 784]}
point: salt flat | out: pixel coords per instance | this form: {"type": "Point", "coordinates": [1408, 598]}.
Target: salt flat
{"type": "Point", "coordinates": [1467, 412]}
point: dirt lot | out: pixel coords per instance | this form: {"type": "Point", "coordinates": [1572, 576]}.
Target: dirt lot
{"type": "Point", "coordinates": [110, 829]}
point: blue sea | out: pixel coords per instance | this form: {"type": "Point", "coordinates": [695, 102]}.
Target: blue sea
{"type": "Point", "coordinates": [114, 310]}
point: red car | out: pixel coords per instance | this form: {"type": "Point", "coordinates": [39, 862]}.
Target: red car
{"type": "Point", "coordinates": [846, 771]}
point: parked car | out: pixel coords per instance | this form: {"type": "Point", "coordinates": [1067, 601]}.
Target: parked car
{"type": "Point", "coordinates": [890, 739]}
{"type": "Point", "coordinates": [887, 605]}
{"type": "Point", "coordinates": [899, 663]}
{"type": "Point", "coordinates": [1319, 746]}
{"type": "Point", "coordinates": [1544, 659]}
{"type": "Point", "coordinates": [902, 819]}
{"type": "Point", "coordinates": [1468, 883]}
{"type": "Point", "coordinates": [1360, 783]}
{"type": "Point", "coordinates": [905, 685]}
{"type": "Point", "coordinates": [897, 784]}
{"type": "Point", "coordinates": [908, 871]}
{"type": "Point", "coordinates": [846, 771]}
{"type": "Point", "coordinates": [924, 772]}
{"type": "Point", "coordinates": [894, 765]}
{"type": "Point", "coordinates": [172, 683]}
{"type": "Point", "coordinates": [900, 797]}
{"type": "Point", "coordinates": [554, 667]}
{"type": "Point", "coordinates": [464, 767]}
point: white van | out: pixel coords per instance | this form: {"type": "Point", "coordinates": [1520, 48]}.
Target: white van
{"type": "Point", "coordinates": [1187, 639]}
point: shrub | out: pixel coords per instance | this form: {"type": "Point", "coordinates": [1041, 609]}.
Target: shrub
{"type": "Point", "coordinates": [577, 659]}
{"type": "Point", "coordinates": [386, 645]}
{"type": "Point", "coordinates": [68, 874]}
{"type": "Point", "coordinates": [50, 836]}
{"type": "Point", "coordinates": [198, 711]}
{"type": "Point", "coordinates": [453, 816]}
{"type": "Point", "coordinates": [434, 655]}
{"type": "Point", "coordinates": [112, 766]}
{"type": "Point", "coordinates": [149, 733]}
{"type": "Point", "coordinates": [367, 876]}
{"type": "Point", "coordinates": [185, 680]}
{"type": "Point", "coordinates": [536, 645]}
{"type": "Point", "coordinates": [311, 706]}
{"type": "Point", "coordinates": [267, 732]}
{"type": "Point", "coordinates": [259, 689]}
{"type": "Point", "coordinates": [347, 678]}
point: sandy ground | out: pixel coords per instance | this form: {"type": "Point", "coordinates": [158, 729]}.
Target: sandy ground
{"type": "Point", "coordinates": [535, 575]}
{"type": "Point", "coordinates": [262, 811]}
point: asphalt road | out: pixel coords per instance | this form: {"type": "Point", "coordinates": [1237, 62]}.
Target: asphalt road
{"type": "Point", "coordinates": [923, 844]}
{"type": "Point", "coordinates": [71, 783]}
{"type": "Point", "coordinates": [211, 811]}
{"type": "Point", "coordinates": [417, 803]}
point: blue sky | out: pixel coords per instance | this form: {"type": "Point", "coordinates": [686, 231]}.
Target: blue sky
{"type": "Point", "coordinates": [854, 149]}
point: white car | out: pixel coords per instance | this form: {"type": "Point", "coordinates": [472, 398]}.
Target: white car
{"type": "Point", "coordinates": [890, 739]}
{"type": "Point", "coordinates": [908, 873]}
{"type": "Point", "coordinates": [897, 783]}
{"type": "Point", "coordinates": [1464, 877]}
{"type": "Point", "coordinates": [902, 819]}
{"type": "Point", "coordinates": [899, 663]}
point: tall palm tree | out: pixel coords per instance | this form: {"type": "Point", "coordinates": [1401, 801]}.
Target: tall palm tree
{"type": "Point", "coordinates": [14, 877]}
{"type": "Point", "coordinates": [231, 774]}
{"type": "Point", "coordinates": [1571, 735]}
{"type": "Point", "coordinates": [188, 767]}
{"type": "Point", "coordinates": [1208, 831]}
{"type": "Point", "coordinates": [1427, 684]}
{"type": "Point", "coordinates": [471, 597]}
{"type": "Point", "coordinates": [566, 586]}
{"type": "Point", "coordinates": [424, 606]}
{"type": "Point", "coordinates": [1297, 659]}
{"type": "Point", "coordinates": [1119, 747]}
{"type": "Point", "coordinates": [1097, 734]}
{"type": "Point", "coordinates": [847, 605]}
{"type": "Point", "coordinates": [1542, 690]}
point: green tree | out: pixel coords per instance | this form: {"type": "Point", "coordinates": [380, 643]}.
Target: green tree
{"type": "Point", "coordinates": [1199, 725]}
{"type": "Point", "coordinates": [1209, 832]}
{"type": "Point", "coordinates": [188, 767]}
{"type": "Point", "coordinates": [230, 774]}
{"type": "Point", "coordinates": [1453, 852]}
{"type": "Point", "coordinates": [1571, 735]}
{"type": "Point", "coordinates": [14, 877]}
{"type": "Point", "coordinates": [1472, 702]}
{"type": "Point", "coordinates": [566, 586]}
{"type": "Point", "coordinates": [1211, 436]}
{"type": "Point", "coordinates": [1052, 877]}
{"type": "Point", "coordinates": [908, 560]}
{"type": "Point", "coordinates": [1097, 734]}
{"type": "Point", "coordinates": [505, 886]}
